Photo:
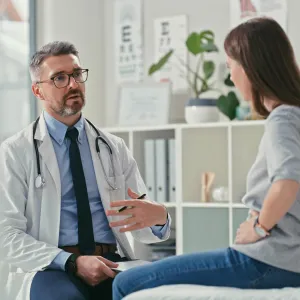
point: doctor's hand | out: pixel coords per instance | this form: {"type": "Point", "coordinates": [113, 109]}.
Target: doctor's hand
{"type": "Point", "coordinates": [94, 269]}
{"type": "Point", "coordinates": [141, 213]}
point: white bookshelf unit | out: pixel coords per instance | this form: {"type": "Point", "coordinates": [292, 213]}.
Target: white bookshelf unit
{"type": "Point", "coordinates": [226, 148]}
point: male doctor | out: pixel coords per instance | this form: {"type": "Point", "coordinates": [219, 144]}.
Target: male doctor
{"type": "Point", "coordinates": [60, 230]}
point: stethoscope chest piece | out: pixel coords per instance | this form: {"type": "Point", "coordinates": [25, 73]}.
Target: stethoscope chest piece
{"type": "Point", "coordinates": [39, 182]}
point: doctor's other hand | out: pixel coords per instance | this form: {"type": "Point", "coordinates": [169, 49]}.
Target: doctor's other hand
{"type": "Point", "coordinates": [141, 213]}
{"type": "Point", "coordinates": [94, 269]}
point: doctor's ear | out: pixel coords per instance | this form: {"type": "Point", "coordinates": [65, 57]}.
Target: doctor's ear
{"type": "Point", "coordinates": [37, 91]}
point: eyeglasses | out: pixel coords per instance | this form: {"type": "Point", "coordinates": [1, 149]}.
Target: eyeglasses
{"type": "Point", "coordinates": [62, 80]}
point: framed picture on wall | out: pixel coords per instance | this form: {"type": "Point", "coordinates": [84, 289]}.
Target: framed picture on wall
{"type": "Point", "coordinates": [144, 104]}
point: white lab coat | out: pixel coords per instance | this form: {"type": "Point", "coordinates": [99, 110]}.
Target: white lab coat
{"type": "Point", "coordinates": [30, 217]}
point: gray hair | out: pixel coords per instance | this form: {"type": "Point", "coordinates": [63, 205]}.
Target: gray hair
{"type": "Point", "coordinates": [51, 49]}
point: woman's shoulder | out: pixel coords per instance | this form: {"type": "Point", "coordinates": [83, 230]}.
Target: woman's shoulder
{"type": "Point", "coordinates": [284, 115]}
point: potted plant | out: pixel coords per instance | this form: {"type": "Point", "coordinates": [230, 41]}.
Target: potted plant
{"type": "Point", "coordinates": [199, 108]}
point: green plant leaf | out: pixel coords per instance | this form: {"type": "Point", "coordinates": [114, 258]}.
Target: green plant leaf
{"type": "Point", "coordinates": [193, 43]}
{"type": "Point", "coordinates": [207, 43]}
{"type": "Point", "coordinates": [201, 42]}
{"type": "Point", "coordinates": [207, 35]}
{"type": "Point", "coordinates": [208, 68]}
{"type": "Point", "coordinates": [228, 104]}
{"type": "Point", "coordinates": [209, 47]}
{"type": "Point", "coordinates": [156, 67]}
{"type": "Point", "coordinates": [228, 81]}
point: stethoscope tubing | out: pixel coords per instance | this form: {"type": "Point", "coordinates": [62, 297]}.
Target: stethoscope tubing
{"type": "Point", "coordinates": [40, 181]}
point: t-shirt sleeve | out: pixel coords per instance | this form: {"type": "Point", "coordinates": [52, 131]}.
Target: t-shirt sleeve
{"type": "Point", "coordinates": [282, 145]}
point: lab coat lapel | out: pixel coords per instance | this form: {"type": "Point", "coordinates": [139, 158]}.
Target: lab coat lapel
{"type": "Point", "coordinates": [47, 152]}
{"type": "Point", "coordinates": [51, 192]}
{"type": "Point", "coordinates": [104, 188]}
{"type": "Point", "coordinates": [100, 176]}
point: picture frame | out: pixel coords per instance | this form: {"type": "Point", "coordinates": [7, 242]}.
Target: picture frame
{"type": "Point", "coordinates": [144, 104]}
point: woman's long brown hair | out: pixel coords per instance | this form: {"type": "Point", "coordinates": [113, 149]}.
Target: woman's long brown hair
{"type": "Point", "coordinates": [263, 49]}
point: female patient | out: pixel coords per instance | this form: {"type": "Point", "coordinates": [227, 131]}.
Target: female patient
{"type": "Point", "coordinates": [266, 252]}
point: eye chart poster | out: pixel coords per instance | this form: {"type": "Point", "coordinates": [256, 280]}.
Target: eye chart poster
{"type": "Point", "coordinates": [171, 33]}
{"type": "Point", "coordinates": [243, 10]}
{"type": "Point", "coordinates": [128, 40]}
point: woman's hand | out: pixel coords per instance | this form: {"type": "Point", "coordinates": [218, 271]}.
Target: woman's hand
{"type": "Point", "coordinates": [246, 233]}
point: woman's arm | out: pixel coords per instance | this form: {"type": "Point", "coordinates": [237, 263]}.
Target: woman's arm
{"type": "Point", "coordinates": [282, 151]}
{"type": "Point", "coordinates": [279, 200]}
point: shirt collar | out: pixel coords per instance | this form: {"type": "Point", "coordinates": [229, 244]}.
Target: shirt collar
{"type": "Point", "coordinates": [58, 130]}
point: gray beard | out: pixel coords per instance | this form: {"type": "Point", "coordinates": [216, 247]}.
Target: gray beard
{"type": "Point", "coordinates": [65, 111]}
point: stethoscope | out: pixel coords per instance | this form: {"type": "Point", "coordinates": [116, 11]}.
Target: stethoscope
{"type": "Point", "coordinates": [40, 180]}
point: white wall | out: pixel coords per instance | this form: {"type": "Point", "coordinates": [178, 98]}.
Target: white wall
{"type": "Point", "coordinates": [294, 25]}
{"type": "Point", "coordinates": [89, 24]}
{"type": "Point", "coordinates": [202, 14]}
{"type": "Point", "coordinates": [82, 23]}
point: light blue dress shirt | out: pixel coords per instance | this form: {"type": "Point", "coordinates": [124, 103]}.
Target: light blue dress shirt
{"type": "Point", "coordinates": [68, 233]}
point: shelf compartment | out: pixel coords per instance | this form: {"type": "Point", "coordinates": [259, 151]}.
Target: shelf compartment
{"type": "Point", "coordinates": [245, 144]}
{"type": "Point", "coordinates": [203, 150]}
{"type": "Point", "coordinates": [138, 144]}
{"type": "Point", "coordinates": [205, 229]}
{"type": "Point", "coordinates": [204, 205]}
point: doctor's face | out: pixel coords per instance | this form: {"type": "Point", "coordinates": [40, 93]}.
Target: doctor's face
{"type": "Point", "coordinates": [60, 97]}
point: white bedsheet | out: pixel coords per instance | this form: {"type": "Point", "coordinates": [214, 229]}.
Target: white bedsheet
{"type": "Point", "coordinates": [196, 292]}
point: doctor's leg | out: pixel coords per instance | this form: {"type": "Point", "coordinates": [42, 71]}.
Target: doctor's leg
{"type": "Point", "coordinates": [57, 285]}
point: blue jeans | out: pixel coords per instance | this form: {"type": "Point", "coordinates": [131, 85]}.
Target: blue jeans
{"type": "Point", "coordinates": [225, 267]}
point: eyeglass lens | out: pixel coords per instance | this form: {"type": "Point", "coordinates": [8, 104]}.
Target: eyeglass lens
{"type": "Point", "coordinates": [62, 80]}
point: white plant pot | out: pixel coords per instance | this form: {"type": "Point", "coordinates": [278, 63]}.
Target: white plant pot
{"type": "Point", "coordinates": [201, 111]}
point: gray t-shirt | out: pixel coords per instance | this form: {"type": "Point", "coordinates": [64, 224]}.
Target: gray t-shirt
{"type": "Point", "coordinates": [278, 158]}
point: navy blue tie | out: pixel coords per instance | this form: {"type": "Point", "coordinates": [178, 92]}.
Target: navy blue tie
{"type": "Point", "coordinates": [85, 224]}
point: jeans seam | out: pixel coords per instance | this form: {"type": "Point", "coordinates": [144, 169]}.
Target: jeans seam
{"type": "Point", "coordinates": [254, 282]}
